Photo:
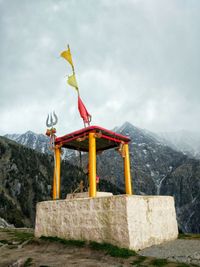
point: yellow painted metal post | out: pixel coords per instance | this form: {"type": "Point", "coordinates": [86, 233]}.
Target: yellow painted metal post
{"type": "Point", "coordinates": [127, 172]}
{"type": "Point", "coordinates": [56, 178]}
{"type": "Point", "coordinates": [92, 165]}
{"type": "Point", "coordinates": [54, 183]}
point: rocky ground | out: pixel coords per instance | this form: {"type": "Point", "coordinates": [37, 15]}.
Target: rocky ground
{"type": "Point", "coordinates": [181, 250]}
{"type": "Point", "coordinates": [19, 248]}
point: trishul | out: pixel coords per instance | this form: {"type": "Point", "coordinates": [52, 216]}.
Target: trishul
{"type": "Point", "coordinates": [51, 120]}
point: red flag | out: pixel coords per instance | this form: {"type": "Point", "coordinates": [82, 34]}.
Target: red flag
{"type": "Point", "coordinates": [83, 111]}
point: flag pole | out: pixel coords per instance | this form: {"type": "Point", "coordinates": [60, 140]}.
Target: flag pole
{"type": "Point", "coordinates": [72, 61]}
{"type": "Point", "coordinates": [72, 82]}
{"type": "Point", "coordinates": [73, 69]}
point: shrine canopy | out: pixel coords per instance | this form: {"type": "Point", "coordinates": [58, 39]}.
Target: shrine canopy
{"type": "Point", "coordinates": [78, 140]}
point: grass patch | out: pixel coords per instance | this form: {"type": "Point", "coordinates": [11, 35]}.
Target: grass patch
{"type": "Point", "coordinates": [28, 262]}
{"type": "Point", "coordinates": [182, 265]}
{"type": "Point", "coordinates": [139, 260]}
{"type": "Point", "coordinates": [186, 265]}
{"type": "Point", "coordinates": [164, 262]}
{"type": "Point", "coordinates": [113, 251]}
{"type": "Point", "coordinates": [22, 236]}
{"type": "Point", "coordinates": [77, 243]}
{"type": "Point", "coordinates": [5, 229]}
{"type": "Point", "coordinates": [159, 262]}
{"type": "Point", "coordinates": [189, 236]}
{"type": "Point", "coordinates": [16, 237]}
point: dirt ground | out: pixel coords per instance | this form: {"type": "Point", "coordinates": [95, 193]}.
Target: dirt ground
{"type": "Point", "coordinates": [20, 248]}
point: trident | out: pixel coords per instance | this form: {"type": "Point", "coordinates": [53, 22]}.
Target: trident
{"type": "Point", "coordinates": [50, 122]}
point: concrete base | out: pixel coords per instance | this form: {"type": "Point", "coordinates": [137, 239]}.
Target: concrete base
{"type": "Point", "coordinates": [133, 222]}
{"type": "Point", "coordinates": [86, 195]}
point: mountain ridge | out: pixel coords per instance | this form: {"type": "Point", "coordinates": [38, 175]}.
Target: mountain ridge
{"type": "Point", "coordinates": [156, 169]}
{"type": "Point", "coordinates": [185, 141]}
{"type": "Point", "coordinates": [26, 177]}
{"type": "Point", "coordinates": [177, 140]}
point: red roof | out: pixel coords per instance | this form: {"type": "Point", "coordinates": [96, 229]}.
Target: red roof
{"type": "Point", "coordinates": [78, 140]}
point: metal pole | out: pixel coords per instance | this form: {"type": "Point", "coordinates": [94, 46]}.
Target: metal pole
{"type": "Point", "coordinates": [127, 172]}
{"type": "Point", "coordinates": [55, 172]}
{"type": "Point", "coordinates": [54, 183]}
{"type": "Point", "coordinates": [56, 180]}
{"type": "Point", "coordinates": [92, 165]}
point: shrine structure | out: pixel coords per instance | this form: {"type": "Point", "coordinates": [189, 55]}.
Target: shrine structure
{"type": "Point", "coordinates": [129, 221]}
{"type": "Point", "coordinates": [92, 139]}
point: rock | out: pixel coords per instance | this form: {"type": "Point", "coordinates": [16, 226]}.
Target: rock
{"type": "Point", "coordinates": [4, 224]}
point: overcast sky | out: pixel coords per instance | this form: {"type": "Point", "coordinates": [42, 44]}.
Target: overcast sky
{"type": "Point", "coordinates": [135, 60]}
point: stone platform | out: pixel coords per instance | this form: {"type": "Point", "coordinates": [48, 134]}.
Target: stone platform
{"type": "Point", "coordinates": [86, 195]}
{"type": "Point", "coordinates": [133, 222]}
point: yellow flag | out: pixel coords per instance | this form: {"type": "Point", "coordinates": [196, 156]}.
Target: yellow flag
{"type": "Point", "coordinates": [72, 81]}
{"type": "Point", "coordinates": [67, 55]}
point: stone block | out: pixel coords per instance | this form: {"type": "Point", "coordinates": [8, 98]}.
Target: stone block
{"type": "Point", "coordinates": [86, 194]}
{"type": "Point", "coordinates": [133, 222]}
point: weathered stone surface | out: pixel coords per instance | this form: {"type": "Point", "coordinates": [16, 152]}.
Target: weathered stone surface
{"type": "Point", "coordinates": [151, 220]}
{"type": "Point", "coordinates": [86, 194]}
{"type": "Point", "coordinates": [133, 222]}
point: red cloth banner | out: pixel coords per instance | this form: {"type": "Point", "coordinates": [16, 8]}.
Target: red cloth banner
{"type": "Point", "coordinates": [83, 111]}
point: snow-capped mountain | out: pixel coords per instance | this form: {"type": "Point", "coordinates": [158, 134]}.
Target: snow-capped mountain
{"type": "Point", "coordinates": [184, 141]}
{"type": "Point", "coordinates": [152, 159]}
{"type": "Point", "coordinates": [156, 168]}
{"type": "Point", "coordinates": [38, 142]}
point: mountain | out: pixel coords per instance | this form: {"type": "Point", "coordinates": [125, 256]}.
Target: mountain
{"type": "Point", "coordinates": [184, 184]}
{"type": "Point", "coordinates": [26, 178]}
{"type": "Point", "coordinates": [151, 160]}
{"type": "Point", "coordinates": [184, 141]}
{"type": "Point", "coordinates": [38, 142]}
{"type": "Point", "coordinates": [156, 169]}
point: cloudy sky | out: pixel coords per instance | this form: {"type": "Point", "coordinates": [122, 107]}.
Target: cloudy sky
{"type": "Point", "coordinates": [135, 60]}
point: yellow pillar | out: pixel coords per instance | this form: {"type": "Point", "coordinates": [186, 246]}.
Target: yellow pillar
{"type": "Point", "coordinates": [92, 165]}
{"type": "Point", "coordinates": [56, 178]}
{"type": "Point", "coordinates": [127, 172]}
{"type": "Point", "coordinates": [54, 183]}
